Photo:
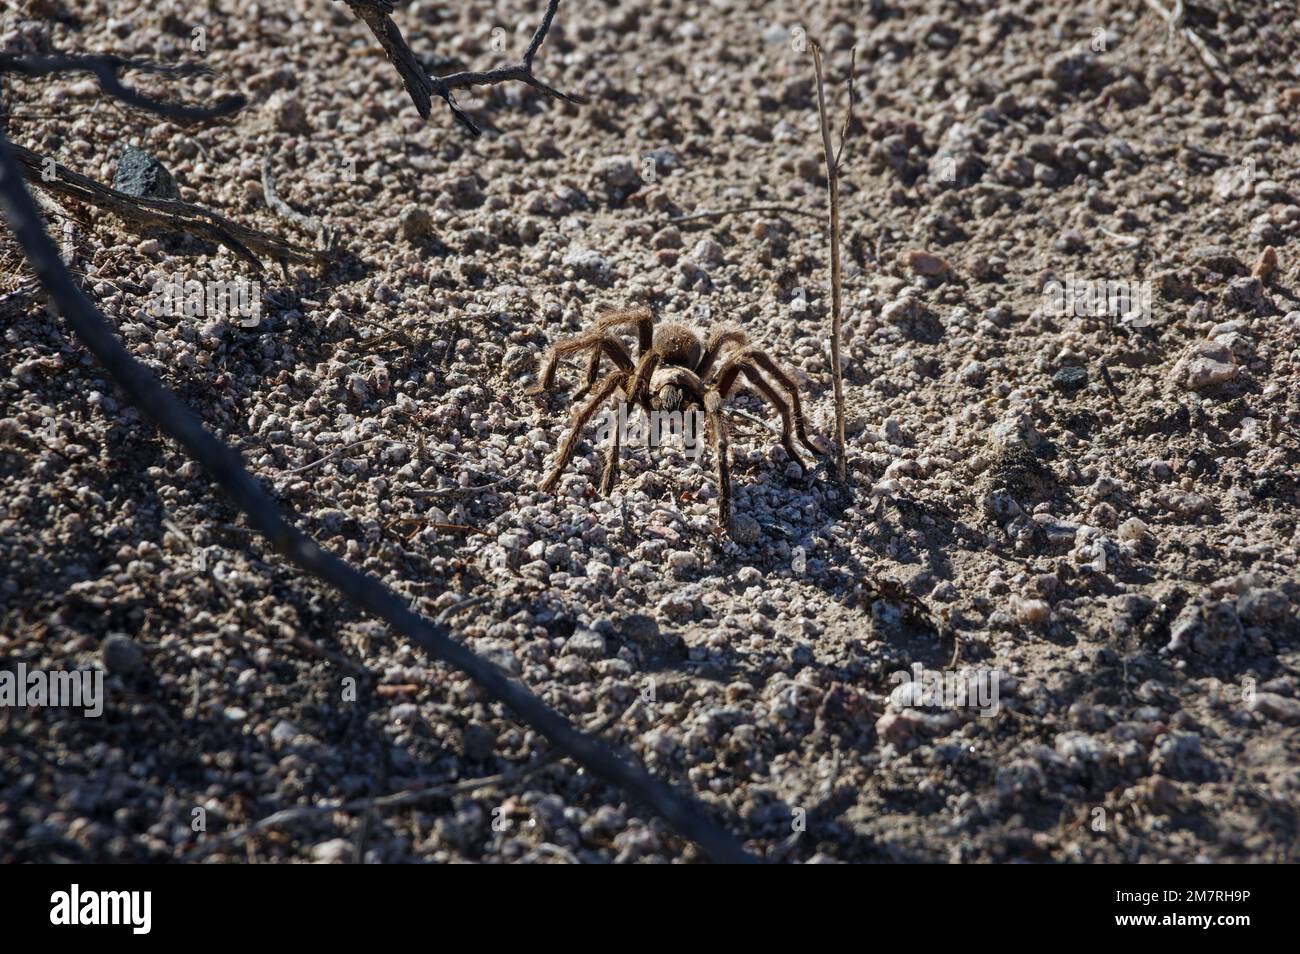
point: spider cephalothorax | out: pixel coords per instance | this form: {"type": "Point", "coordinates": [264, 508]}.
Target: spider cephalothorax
{"type": "Point", "coordinates": [674, 370]}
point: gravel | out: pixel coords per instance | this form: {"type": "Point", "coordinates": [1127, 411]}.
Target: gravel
{"type": "Point", "coordinates": [1122, 547]}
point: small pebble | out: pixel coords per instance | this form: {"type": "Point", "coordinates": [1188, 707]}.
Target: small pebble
{"type": "Point", "coordinates": [122, 654]}
{"type": "Point", "coordinates": [1070, 379]}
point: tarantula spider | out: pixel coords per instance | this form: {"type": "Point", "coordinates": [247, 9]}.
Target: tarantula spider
{"type": "Point", "coordinates": [674, 370]}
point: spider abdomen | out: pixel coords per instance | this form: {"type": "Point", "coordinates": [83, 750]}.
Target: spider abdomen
{"type": "Point", "coordinates": [678, 345]}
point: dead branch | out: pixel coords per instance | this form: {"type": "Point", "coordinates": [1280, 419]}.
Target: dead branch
{"type": "Point", "coordinates": [837, 291]}
{"type": "Point", "coordinates": [169, 214]}
{"type": "Point", "coordinates": [376, 14]}
{"type": "Point", "coordinates": [56, 211]}
{"type": "Point", "coordinates": [176, 420]}
{"type": "Point", "coordinates": [472, 491]}
{"type": "Point", "coordinates": [848, 115]}
{"type": "Point", "coordinates": [337, 452]}
{"type": "Point", "coordinates": [106, 70]}
{"type": "Point", "coordinates": [308, 223]}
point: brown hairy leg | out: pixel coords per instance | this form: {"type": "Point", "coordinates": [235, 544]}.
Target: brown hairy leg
{"type": "Point", "coordinates": [721, 453]}
{"type": "Point", "coordinates": [783, 408]}
{"type": "Point", "coordinates": [617, 352]}
{"type": "Point", "coordinates": [640, 318]}
{"type": "Point", "coordinates": [759, 358]}
{"type": "Point", "coordinates": [610, 476]}
{"type": "Point", "coordinates": [600, 343]}
{"type": "Point", "coordinates": [608, 386]}
{"type": "Point", "coordinates": [719, 338]}
{"type": "Point", "coordinates": [636, 391]}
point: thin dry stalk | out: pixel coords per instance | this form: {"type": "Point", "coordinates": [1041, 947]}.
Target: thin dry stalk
{"type": "Point", "coordinates": [833, 158]}
{"type": "Point", "coordinates": [1175, 20]}
{"type": "Point", "coordinates": [308, 223]}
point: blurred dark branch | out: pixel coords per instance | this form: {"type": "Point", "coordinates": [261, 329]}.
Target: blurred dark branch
{"type": "Point", "coordinates": [106, 69]}
{"type": "Point", "coordinates": [176, 420]}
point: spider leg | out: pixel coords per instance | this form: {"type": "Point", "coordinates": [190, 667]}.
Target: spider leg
{"type": "Point", "coordinates": [611, 464]}
{"type": "Point", "coordinates": [720, 337]}
{"type": "Point", "coordinates": [796, 406]}
{"type": "Point", "coordinates": [603, 391]}
{"type": "Point", "coordinates": [641, 379]}
{"type": "Point", "coordinates": [617, 352]}
{"type": "Point", "coordinates": [757, 359]}
{"type": "Point", "coordinates": [598, 342]}
{"type": "Point", "coordinates": [593, 372]}
{"type": "Point", "coordinates": [782, 408]}
{"type": "Point", "coordinates": [721, 453]}
{"type": "Point", "coordinates": [639, 317]}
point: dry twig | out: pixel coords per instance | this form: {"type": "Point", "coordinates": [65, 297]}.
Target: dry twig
{"type": "Point", "coordinates": [1175, 21]}
{"type": "Point", "coordinates": [308, 223]}
{"type": "Point", "coordinates": [473, 490]}
{"type": "Point", "coordinates": [437, 524]}
{"type": "Point", "coordinates": [720, 213]}
{"type": "Point", "coordinates": [337, 452]}
{"type": "Point", "coordinates": [833, 158]}
{"type": "Point", "coordinates": [463, 605]}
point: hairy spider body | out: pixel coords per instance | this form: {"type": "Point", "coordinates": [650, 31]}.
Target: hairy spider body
{"type": "Point", "coordinates": [678, 345]}
{"type": "Point", "coordinates": [674, 369]}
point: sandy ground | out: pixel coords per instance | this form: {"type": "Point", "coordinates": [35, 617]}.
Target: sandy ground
{"type": "Point", "coordinates": [1096, 516]}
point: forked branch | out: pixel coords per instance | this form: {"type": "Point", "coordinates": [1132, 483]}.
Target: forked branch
{"type": "Point", "coordinates": [376, 14]}
{"type": "Point", "coordinates": [169, 214]}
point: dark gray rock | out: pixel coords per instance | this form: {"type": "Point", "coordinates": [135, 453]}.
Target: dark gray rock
{"type": "Point", "coordinates": [643, 631]}
{"type": "Point", "coordinates": [122, 654]}
{"type": "Point", "coordinates": [1070, 380]}
{"type": "Point", "coordinates": [480, 742]}
{"type": "Point", "coordinates": [140, 174]}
